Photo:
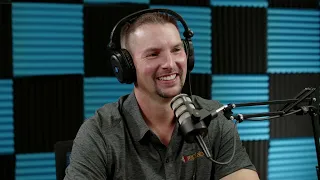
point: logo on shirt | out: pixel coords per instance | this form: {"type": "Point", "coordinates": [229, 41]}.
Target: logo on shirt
{"type": "Point", "coordinates": [192, 156]}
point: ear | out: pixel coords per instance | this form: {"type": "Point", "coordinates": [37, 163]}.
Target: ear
{"type": "Point", "coordinates": [122, 66]}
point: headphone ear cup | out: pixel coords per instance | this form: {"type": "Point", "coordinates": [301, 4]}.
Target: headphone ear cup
{"type": "Point", "coordinates": [122, 66]}
{"type": "Point", "coordinates": [188, 48]}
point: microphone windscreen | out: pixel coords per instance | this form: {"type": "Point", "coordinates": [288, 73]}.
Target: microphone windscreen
{"type": "Point", "coordinates": [179, 105]}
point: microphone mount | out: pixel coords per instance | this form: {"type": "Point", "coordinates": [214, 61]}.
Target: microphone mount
{"type": "Point", "coordinates": [303, 96]}
{"type": "Point", "coordinates": [292, 106]}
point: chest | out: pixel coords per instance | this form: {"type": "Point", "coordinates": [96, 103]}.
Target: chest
{"type": "Point", "coordinates": [151, 160]}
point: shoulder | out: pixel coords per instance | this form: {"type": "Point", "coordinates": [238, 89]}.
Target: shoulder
{"type": "Point", "coordinates": [106, 118]}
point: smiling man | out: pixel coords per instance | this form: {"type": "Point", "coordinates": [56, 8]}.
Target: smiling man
{"type": "Point", "coordinates": [138, 137]}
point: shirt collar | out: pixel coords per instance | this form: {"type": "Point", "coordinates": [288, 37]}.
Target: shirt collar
{"type": "Point", "coordinates": [133, 117]}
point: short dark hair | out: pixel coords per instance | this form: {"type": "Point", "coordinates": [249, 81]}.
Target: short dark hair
{"type": "Point", "coordinates": [148, 18]}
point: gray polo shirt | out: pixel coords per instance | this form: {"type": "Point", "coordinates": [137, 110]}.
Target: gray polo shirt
{"type": "Point", "coordinates": [116, 143]}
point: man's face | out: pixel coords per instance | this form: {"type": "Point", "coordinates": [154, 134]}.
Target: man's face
{"type": "Point", "coordinates": [159, 59]}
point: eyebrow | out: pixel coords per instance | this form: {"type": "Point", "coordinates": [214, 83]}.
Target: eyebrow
{"type": "Point", "coordinates": [180, 44]}
{"type": "Point", "coordinates": [151, 49]}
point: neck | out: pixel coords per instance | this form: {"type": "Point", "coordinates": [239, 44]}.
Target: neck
{"type": "Point", "coordinates": [157, 114]}
{"type": "Point", "coordinates": [156, 110]}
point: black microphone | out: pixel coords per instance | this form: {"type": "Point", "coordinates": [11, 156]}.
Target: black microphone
{"type": "Point", "coordinates": [193, 122]}
{"type": "Point", "coordinates": [188, 117]}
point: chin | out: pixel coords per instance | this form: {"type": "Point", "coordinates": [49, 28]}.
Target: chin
{"type": "Point", "coordinates": [169, 93]}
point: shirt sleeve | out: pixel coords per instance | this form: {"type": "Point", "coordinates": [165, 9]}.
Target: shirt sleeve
{"type": "Point", "coordinates": [225, 149]}
{"type": "Point", "coordinates": [88, 156]}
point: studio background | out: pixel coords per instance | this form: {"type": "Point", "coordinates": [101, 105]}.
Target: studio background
{"type": "Point", "coordinates": [54, 74]}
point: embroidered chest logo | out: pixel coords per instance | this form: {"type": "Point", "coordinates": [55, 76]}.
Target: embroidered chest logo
{"type": "Point", "coordinates": [192, 156]}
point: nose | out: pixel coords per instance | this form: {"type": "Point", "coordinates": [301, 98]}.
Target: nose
{"type": "Point", "coordinates": [168, 61]}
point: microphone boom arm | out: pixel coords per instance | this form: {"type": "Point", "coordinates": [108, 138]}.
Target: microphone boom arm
{"type": "Point", "coordinates": [287, 109]}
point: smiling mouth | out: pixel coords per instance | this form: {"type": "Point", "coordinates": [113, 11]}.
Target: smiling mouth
{"type": "Point", "coordinates": [167, 78]}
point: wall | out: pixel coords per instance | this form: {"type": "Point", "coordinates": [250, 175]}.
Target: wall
{"type": "Point", "coordinates": [54, 74]}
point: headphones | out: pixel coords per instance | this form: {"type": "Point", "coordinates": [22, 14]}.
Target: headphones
{"type": "Point", "coordinates": [121, 60]}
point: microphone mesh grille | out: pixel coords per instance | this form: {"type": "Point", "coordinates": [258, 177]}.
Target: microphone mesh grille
{"type": "Point", "coordinates": [179, 105]}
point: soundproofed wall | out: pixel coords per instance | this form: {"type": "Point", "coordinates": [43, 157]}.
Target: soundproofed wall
{"type": "Point", "coordinates": [54, 74]}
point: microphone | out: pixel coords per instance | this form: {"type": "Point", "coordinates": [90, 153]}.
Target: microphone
{"type": "Point", "coordinates": [193, 123]}
{"type": "Point", "coordinates": [188, 117]}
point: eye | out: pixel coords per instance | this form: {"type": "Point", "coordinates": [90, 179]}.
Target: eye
{"type": "Point", "coordinates": [153, 54]}
{"type": "Point", "coordinates": [177, 49]}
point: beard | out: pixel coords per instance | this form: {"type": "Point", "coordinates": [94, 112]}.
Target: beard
{"type": "Point", "coordinates": [162, 94]}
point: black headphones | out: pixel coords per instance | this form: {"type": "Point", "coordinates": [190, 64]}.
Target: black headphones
{"type": "Point", "coordinates": [121, 60]}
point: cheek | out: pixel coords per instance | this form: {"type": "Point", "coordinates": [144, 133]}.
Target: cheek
{"type": "Point", "coordinates": [146, 70]}
{"type": "Point", "coordinates": [182, 60]}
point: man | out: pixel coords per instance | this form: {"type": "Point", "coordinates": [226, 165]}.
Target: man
{"type": "Point", "coordinates": [138, 137]}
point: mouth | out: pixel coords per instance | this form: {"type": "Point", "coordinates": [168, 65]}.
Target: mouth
{"type": "Point", "coordinates": [167, 77]}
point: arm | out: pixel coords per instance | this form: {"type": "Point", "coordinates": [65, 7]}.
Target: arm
{"type": "Point", "coordinates": [242, 174]}
{"type": "Point", "coordinates": [87, 159]}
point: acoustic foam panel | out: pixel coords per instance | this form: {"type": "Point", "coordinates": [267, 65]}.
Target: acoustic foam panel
{"type": "Point", "coordinates": [47, 39]}
{"type": "Point", "coordinates": [243, 89]}
{"type": "Point", "coordinates": [47, 109]}
{"type": "Point", "coordinates": [200, 85]}
{"type": "Point", "coordinates": [292, 158]}
{"type": "Point", "coordinates": [7, 167]}
{"type": "Point", "coordinates": [184, 3]}
{"type": "Point", "coordinates": [35, 166]}
{"type": "Point", "coordinates": [239, 40]}
{"type": "Point", "coordinates": [287, 86]}
{"type": "Point", "coordinates": [5, 41]}
{"type": "Point", "coordinates": [6, 117]}
{"type": "Point", "coordinates": [101, 90]}
{"type": "Point", "coordinates": [258, 153]}
{"type": "Point", "coordinates": [294, 3]}
{"type": "Point", "coordinates": [117, 1]}
{"type": "Point", "coordinates": [240, 3]}
{"type": "Point", "coordinates": [293, 41]}
{"type": "Point", "coordinates": [97, 28]}
{"type": "Point", "coordinates": [52, 1]}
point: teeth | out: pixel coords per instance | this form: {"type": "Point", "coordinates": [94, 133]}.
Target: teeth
{"type": "Point", "coordinates": [168, 78]}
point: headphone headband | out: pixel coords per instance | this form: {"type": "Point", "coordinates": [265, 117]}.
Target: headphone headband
{"type": "Point", "coordinates": [187, 31]}
{"type": "Point", "coordinates": [121, 60]}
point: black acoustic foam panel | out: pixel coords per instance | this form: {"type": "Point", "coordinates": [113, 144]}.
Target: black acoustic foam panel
{"type": "Point", "coordinates": [99, 21]}
{"type": "Point", "coordinates": [52, 1]}
{"type": "Point", "coordinates": [200, 85]}
{"type": "Point", "coordinates": [47, 109]}
{"type": "Point", "coordinates": [305, 4]}
{"type": "Point", "coordinates": [258, 153]}
{"type": "Point", "coordinates": [239, 40]}
{"type": "Point", "coordinates": [7, 166]}
{"type": "Point", "coordinates": [182, 3]}
{"type": "Point", "coordinates": [287, 86]}
{"type": "Point", "coordinates": [5, 41]}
